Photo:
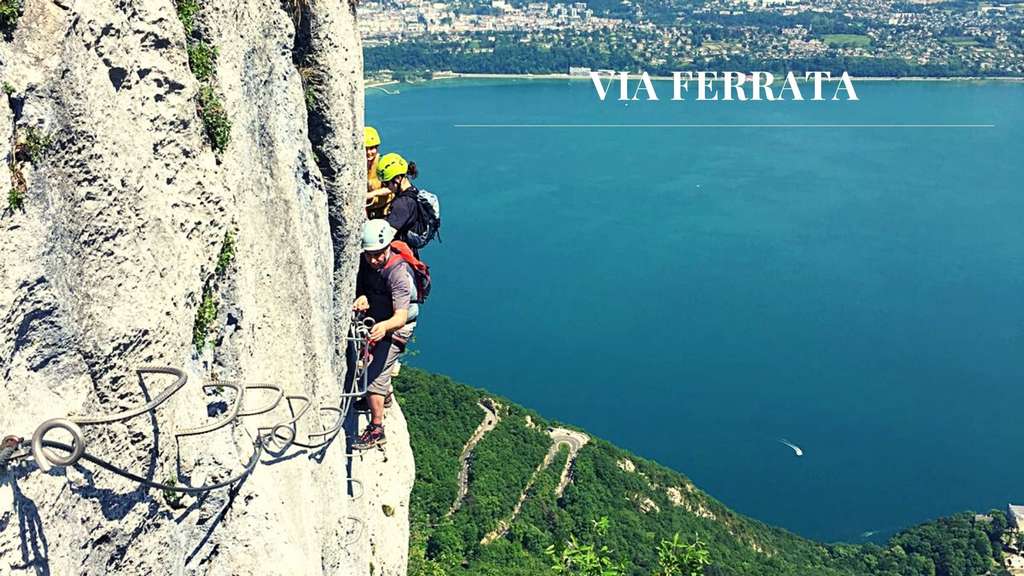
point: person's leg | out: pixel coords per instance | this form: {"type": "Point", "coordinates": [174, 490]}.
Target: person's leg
{"type": "Point", "coordinates": [401, 339]}
{"type": "Point", "coordinates": [376, 402]}
{"type": "Point", "coordinates": [378, 376]}
{"type": "Point", "coordinates": [385, 354]}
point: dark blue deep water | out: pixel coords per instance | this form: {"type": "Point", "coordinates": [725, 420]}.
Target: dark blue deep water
{"type": "Point", "coordinates": [694, 295]}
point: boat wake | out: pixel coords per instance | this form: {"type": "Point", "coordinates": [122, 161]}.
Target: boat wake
{"type": "Point", "coordinates": [796, 449]}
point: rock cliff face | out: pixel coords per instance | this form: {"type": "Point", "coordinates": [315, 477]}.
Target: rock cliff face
{"type": "Point", "coordinates": [136, 232]}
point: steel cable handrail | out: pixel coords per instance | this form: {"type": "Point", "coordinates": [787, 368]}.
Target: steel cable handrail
{"type": "Point", "coordinates": [232, 413]}
{"type": "Point", "coordinates": [249, 467]}
{"type": "Point", "coordinates": [149, 407]}
{"type": "Point", "coordinates": [280, 437]}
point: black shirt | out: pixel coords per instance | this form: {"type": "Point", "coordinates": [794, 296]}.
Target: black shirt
{"type": "Point", "coordinates": [404, 211]}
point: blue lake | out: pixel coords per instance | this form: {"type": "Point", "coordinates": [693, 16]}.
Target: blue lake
{"type": "Point", "coordinates": [697, 294]}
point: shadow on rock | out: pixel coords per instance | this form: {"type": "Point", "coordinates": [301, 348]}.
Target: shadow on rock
{"type": "Point", "coordinates": [34, 547]}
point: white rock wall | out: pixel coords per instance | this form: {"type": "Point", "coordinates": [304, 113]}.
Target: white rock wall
{"type": "Point", "coordinates": [103, 270]}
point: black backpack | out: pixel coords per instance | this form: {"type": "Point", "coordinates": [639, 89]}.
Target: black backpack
{"type": "Point", "coordinates": [428, 220]}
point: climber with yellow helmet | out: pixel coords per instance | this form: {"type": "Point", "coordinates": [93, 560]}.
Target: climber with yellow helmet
{"type": "Point", "coordinates": [377, 197]}
{"type": "Point", "coordinates": [415, 214]}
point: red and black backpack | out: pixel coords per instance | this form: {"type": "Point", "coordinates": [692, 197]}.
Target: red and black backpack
{"type": "Point", "coordinates": [420, 270]}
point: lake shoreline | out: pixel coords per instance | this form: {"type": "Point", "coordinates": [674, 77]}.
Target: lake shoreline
{"type": "Point", "coordinates": [561, 76]}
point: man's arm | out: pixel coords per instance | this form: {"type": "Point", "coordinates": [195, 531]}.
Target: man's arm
{"type": "Point", "coordinates": [396, 322]}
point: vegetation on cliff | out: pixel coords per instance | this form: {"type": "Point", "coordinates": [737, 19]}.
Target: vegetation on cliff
{"type": "Point", "coordinates": [647, 504]}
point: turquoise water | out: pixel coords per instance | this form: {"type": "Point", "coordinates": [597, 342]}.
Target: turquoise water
{"type": "Point", "coordinates": [695, 295]}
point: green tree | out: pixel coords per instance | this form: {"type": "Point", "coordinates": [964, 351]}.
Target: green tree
{"type": "Point", "coordinates": [678, 558]}
{"type": "Point", "coordinates": [586, 559]}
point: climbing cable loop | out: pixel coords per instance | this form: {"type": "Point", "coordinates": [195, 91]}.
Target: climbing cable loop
{"type": "Point", "coordinates": [360, 347]}
{"type": "Point", "coordinates": [274, 440]}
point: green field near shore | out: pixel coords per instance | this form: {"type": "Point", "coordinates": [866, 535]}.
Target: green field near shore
{"type": "Point", "coordinates": [961, 40]}
{"type": "Point", "coordinates": [847, 40]}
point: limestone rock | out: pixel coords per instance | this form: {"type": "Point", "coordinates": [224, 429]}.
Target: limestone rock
{"type": "Point", "coordinates": [105, 266]}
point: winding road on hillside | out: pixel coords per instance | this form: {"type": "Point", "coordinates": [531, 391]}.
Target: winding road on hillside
{"type": "Point", "coordinates": [491, 419]}
{"type": "Point", "coordinates": [559, 436]}
{"type": "Point", "coordinates": [575, 441]}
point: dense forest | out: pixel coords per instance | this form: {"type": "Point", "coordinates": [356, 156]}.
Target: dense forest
{"type": "Point", "coordinates": [643, 505]}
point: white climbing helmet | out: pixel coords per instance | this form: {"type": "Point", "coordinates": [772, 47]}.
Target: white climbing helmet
{"type": "Point", "coordinates": [377, 234]}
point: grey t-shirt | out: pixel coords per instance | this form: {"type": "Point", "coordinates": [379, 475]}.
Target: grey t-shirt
{"type": "Point", "coordinates": [388, 289]}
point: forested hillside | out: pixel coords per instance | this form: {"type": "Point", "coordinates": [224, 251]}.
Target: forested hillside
{"type": "Point", "coordinates": [645, 504]}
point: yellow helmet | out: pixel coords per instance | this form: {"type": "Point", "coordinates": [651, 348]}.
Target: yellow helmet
{"type": "Point", "coordinates": [370, 137]}
{"type": "Point", "coordinates": [390, 166]}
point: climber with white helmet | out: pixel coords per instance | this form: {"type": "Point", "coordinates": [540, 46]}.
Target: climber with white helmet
{"type": "Point", "coordinates": [388, 289]}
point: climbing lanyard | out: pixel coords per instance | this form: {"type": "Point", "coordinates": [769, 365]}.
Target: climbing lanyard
{"type": "Point", "coordinates": [359, 344]}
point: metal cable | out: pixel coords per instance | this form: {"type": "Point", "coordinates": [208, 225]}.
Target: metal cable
{"type": "Point", "coordinates": [359, 336]}
{"type": "Point", "coordinates": [257, 451]}
{"type": "Point", "coordinates": [267, 408]}
{"type": "Point", "coordinates": [280, 437]}
{"type": "Point", "coordinates": [327, 434]}
{"type": "Point", "coordinates": [284, 433]}
{"type": "Point", "coordinates": [232, 412]}
{"type": "Point", "coordinates": [152, 405]}
{"type": "Point", "coordinates": [47, 460]}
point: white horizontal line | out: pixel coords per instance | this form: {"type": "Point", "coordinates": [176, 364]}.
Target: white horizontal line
{"type": "Point", "coordinates": [725, 125]}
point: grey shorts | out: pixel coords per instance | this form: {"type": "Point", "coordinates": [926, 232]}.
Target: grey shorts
{"type": "Point", "coordinates": [385, 354]}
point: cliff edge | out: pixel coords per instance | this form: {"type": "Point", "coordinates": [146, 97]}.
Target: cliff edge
{"type": "Point", "coordinates": [185, 189]}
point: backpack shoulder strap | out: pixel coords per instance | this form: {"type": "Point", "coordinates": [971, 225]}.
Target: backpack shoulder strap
{"type": "Point", "coordinates": [402, 253]}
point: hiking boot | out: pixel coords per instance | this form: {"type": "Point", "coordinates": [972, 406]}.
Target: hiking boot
{"type": "Point", "coordinates": [372, 436]}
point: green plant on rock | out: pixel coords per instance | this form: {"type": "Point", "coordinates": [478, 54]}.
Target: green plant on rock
{"type": "Point", "coordinates": [19, 188]}
{"type": "Point", "coordinates": [36, 144]}
{"type": "Point", "coordinates": [187, 10]}
{"type": "Point", "coordinates": [8, 88]}
{"type": "Point", "coordinates": [202, 59]}
{"type": "Point", "coordinates": [172, 498]}
{"type": "Point", "coordinates": [310, 97]}
{"type": "Point", "coordinates": [15, 199]}
{"type": "Point", "coordinates": [215, 118]}
{"type": "Point", "coordinates": [10, 11]}
{"type": "Point", "coordinates": [227, 253]}
{"type": "Point", "coordinates": [206, 315]}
